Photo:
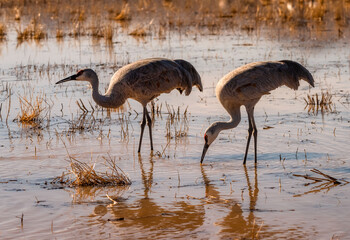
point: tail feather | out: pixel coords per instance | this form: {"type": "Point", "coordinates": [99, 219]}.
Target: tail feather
{"type": "Point", "coordinates": [299, 72]}
{"type": "Point", "coordinates": [196, 79]}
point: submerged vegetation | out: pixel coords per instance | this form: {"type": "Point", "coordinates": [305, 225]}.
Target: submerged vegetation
{"type": "Point", "coordinates": [325, 182]}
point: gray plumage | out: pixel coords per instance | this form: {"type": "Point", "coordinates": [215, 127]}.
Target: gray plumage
{"type": "Point", "coordinates": [142, 81]}
{"type": "Point", "coordinates": [245, 86]}
{"type": "Point", "coordinates": [196, 79]}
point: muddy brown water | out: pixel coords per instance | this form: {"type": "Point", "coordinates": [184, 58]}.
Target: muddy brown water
{"type": "Point", "coordinates": [172, 195]}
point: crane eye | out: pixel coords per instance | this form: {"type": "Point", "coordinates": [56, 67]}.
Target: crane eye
{"type": "Point", "coordinates": [206, 138]}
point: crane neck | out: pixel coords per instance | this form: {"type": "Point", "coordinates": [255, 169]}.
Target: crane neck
{"type": "Point", "coordinates": [232, 123]}
{"type": "Point", "coordinates": [228, 125]}
{"type": "Point", "coordinates": [107, 100]}
{"type": "Point", "coordinates": [235, 114]}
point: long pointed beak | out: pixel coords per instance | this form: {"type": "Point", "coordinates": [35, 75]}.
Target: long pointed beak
{"type": "Point", "coordinates": [205, 149]}
{"type": "Point", "coordinates": [71, 78]}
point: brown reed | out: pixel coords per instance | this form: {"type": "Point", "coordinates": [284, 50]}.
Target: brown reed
{"type": "Point", "coordinates": [31, 110]}
{"type": "Point", "coordinates": [83, 174]}
{"type": "Point", "coordinates": [3, 30]}
{"type": "Point", "coordinates": [324, 178]}
{"type": "Point", "coordinates": [34, 30]}
{"type": "Point", "coordinates": [59, 33]}
{"type": "Point", "coordinates": [322, 102]}
{"type": "Point", "coordinates": [124, 14]}
{"type": "Point", "coordinates": [138, 32]}
{"type": "Point", "coordinates": [205, 16]}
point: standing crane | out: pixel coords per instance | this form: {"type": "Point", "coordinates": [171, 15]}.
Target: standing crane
{"type": "Point", "coordinates": [245, 86]}
{"type": "Point", "coordinates": [142, 81]}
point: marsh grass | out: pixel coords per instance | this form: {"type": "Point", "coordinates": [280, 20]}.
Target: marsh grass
{"type": "Point", "coordinates": [59, 33]}
{"type": "Point", "coordinates": [162, 154]}
{"type": "Point", "coordinates": [76, 14]}
{"type": "Point", "coordinates": [183, 129]}
{"type": "Point", "coordinates": [124, 14]}
{"type": "Point", "coordinates": [32, 110]}
{"type": "Point", "coordinates": [138, 32]}
{"type": "Point", "coordinates": [17, 13]}
{"type": "Point", "coordinates": [83, 174]}
{"type": "Point", "coordinates": [202, 16]}
{"type": "Point", "coordinates": [177, 124]}
{"type": "Point", "coordinates": [77, 29]}
{"type": "Point", "coordinates": [156, 110]}
{"type": "Point", "coordinates": [108, 33]}
{"type": "Point", "coordinates": [82, 107]}
{"type": "Point", "coordinates": [124, 121]}
{"type": "Point", "coordinates": [3, 31]}
{"type": "Point", "coordinates": [324, 182]}
{"type": "Point", "coordinates": [34, 30]}
{"type": "Point", "coordinates": [84, 122]}
{"type": "Point", "coordinates": [98, 31]}
{"type": "Point", "coordinates": [322, 102]}
{"type": "Point", "coordinates": [94, 118]}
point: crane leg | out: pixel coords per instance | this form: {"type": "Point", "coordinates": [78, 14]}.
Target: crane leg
{"type": "Point", "coordinates": [250, 131]}
{"type": "Point", "coordinates": [149, 123]}
{"type": "Point", "coordinates": [255, 134]}
{"type": "Point", "coordinates": [143, 123]}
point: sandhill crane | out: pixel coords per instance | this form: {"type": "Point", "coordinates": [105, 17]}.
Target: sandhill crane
{"type": "Point", "coordinates": [245, 86]}
{"type": "Point", "coordinates": [143, 81]}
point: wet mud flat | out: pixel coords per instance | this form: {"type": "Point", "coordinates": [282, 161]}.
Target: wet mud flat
{"type": "Point", "coordinates": [172, 195]}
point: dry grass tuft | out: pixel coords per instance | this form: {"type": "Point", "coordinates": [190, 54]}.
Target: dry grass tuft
{"type": "Point", "coordinates": [179, 122]}
{"type": "Point", "coordinates": [108, 33]}
{"type": "Point", "coordinates": [2, 31]}
{"type": "Point", "coordinates": [83, 174]}
{"type": "Point", "coordinates": [59, 33]}
{"type": "Point", "coordinates": [82, 16]}
{"type": "Point", "coordinates": [31, 110]}
{"type": "Point", "coordinates": [316, 103]}
{"type": "Point", "coordinates": [325, 99]}
{"type": "Point", "coordinates": [18, 14]}
{"type": "Point", "coordinates": [124, 14]}
{"type": "Point", "coordinates": [324, 183]}
{"type": "Point", "coordinates": [34, 30]}
{"type": "Point", "coordinates": [162, 154]}
{"type": "Point", "coordinates": [324, 178]}
{"type": "Point", "coordinates": [206, 16]}
{"type": "Point", "coordinates": [98, 31]}
{"type": "Point", "coordinates": [84, 122]}
{"type": "Point", "coordinates": [138, 32]}
{"type": "Point", "coordinates": [77, 30]}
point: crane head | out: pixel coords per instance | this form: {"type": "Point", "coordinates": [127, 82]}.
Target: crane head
{"type": "Point", "coordinates": [210, 135]}
{"type": "Point", "coordinates": [82, 75]}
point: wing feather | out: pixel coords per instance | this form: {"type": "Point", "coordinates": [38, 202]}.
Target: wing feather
{"type": "Point", "coordinates": [145, 79]}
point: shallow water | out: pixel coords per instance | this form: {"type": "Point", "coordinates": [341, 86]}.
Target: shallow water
{"type": "Point", "coordinates": [173, 196]}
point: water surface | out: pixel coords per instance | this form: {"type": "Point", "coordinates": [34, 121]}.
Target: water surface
{"type": "Point", "coordinates": [172, 195]}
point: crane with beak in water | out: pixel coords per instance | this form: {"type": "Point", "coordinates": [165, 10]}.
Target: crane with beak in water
{"type": "Point", "coordinates": [245, 86]}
